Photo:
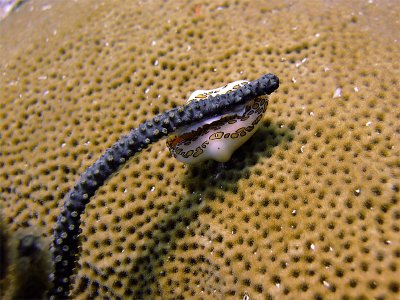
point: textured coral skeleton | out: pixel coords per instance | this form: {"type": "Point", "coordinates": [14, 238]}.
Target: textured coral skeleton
{"type": "Point", "coordinates": [307, 209]}
{"type": "Point", "coordinates": [66, 236]}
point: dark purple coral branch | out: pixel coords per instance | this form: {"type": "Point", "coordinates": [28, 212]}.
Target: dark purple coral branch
{"type": "Point", "coordinates": [66, 234]}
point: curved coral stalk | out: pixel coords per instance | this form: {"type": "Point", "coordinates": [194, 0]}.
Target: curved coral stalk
{"type": "Point", "coordinates": [66, 234]}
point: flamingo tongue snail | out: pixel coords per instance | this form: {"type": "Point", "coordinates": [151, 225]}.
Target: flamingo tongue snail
{"type": "Point", "coordinates": [219, 136]}
{"type": "Point", "coordinates": [216, 121]}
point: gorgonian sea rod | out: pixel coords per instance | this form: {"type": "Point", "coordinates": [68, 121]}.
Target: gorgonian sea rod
{"type": "Point", "coordinates": [217, 106]}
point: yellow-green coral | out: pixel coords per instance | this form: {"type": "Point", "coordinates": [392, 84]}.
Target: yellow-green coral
{"type": "Point", "coordinates": [308, 208]}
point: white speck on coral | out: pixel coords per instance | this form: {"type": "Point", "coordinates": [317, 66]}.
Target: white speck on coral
{"type": "Point", "coordinates": [326, 69]}
{"type": "Point", "coordinates": [311, 113]}
{"type": "Point", "coordinates": [337, 93]}
{"type": "Point", "coordinates": [312, 247]}
{"type": "Point", "coordinates": [125, 191]}
{"type": "Point", "coordinates": [326, 283]}
{"type": "Point", "coordinates": [317, 34]}
{"type": "Point", "coordinates": [156, 62]}
{"type": "Point", "coordinates": [294, 212]}
{"type": "Point", "coordinates": [45, 93]}
{"type": "Point", "coordinates": [294, 80]}
{"type": "Point", "coordinates": [298, 64]}
{"type": "Point", "coordinates": [153, 188]}
{"type": "Point", "coordinates": [358, 191]}
{"type": "Point", "coordinates": [356, 89]}
{"type": "Point", "coordinates": [63, 145]}
{"type": "Point", "coordinates": [302, 149]}
{"type": "Point", "coordinates": [368, 123]}
{"type": "Point", "coordinates": [189, 47]}
{"type": "Point", "coordinates": [46, 7]}
{"type": "Point", "coordinates": [153, 43]}
{"type": "Point", "coordinates": [42, 77]}
{"type": "Point", "coordinates": [146, 90]}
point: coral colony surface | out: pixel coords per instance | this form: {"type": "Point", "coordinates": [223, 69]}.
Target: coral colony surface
{"type": "Point", "coordinates": [306, 208]}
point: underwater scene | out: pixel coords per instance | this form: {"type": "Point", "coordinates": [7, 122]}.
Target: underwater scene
{"type": "Point", "coordinates": [199, 149]}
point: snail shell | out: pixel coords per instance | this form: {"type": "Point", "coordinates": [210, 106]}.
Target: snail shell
{"type": "Point", "coordinates": [217, 137]}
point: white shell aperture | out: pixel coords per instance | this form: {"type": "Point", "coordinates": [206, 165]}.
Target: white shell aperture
{"type": "Point", "coordinates": [217, 137]}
